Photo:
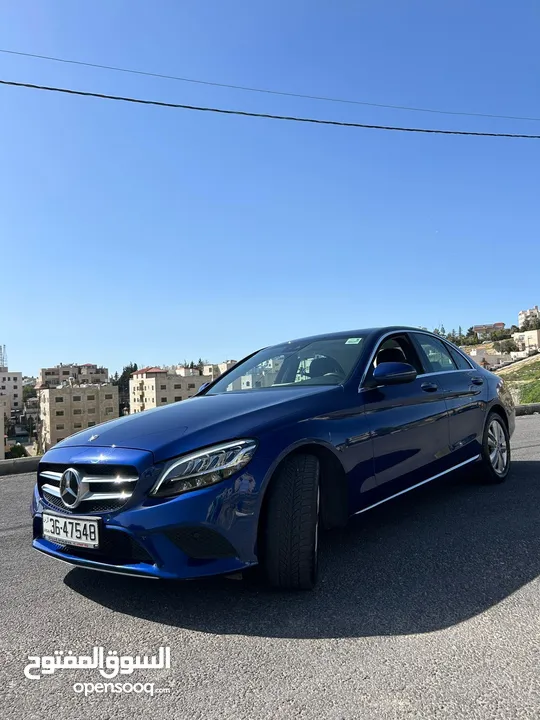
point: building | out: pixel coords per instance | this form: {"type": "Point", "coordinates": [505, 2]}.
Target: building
{"type": "Point", "coordinates": [67, 409]}
{"type": "Point", "coordinates": [11, 385]}
{"type": "Point", "coordinates": [488, 329]}
{"type": "Point", "coordinates": [30, 415]}
{"type": "Point", "coordinates": [488, 358]}
{"type": "Point", "coordinates": [531, 314]}
{"type": "Point", "coordinates": [2, 430]}
{"type": "Point", "coordinates": [5, 406]}
{"type": "Point", "coordinates": [152, 387]}
{"type": "Point", "coordinates": [216, 370]}
{"type": "Point", "coordinates": [527, 341]}
{"type": "Point", "coordinates": [87, 373]}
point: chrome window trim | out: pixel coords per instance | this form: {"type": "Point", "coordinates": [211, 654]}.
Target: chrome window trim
{"type": "Point", "coordinates": [434, 477]}
{"type": "Point", "coordinates": [407, 331]}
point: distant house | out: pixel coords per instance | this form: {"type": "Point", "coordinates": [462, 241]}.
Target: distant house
{"type": "Point", "coordinates": [488, 329]}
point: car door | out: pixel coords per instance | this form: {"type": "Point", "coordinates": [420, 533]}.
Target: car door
{"type": "Point", "coordinates": [465, 392]}
{"type": "Point", "coordinates": [408, 425]}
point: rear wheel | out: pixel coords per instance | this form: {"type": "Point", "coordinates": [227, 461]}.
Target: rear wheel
{"type": "Point", "coordinates": [495, 450]}
{"type": "Point", "coordinates": [291, 537]}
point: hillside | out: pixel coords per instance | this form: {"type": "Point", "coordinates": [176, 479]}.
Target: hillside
{"type": "Point", "coordinates": [523, 379]}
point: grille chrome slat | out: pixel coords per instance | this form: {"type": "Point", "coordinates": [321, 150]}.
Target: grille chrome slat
{"type": "Point", "coordinates": [106, 496]}
{"type": "Point", "coordinates": [50, 475]}
{"type": "Point", "coordinates": [111, 491]}
{"type": "Point", "coordinates": [112, 481]}
{"type": "Point", "coordinates": [52, 489]}
{"type": "Point", "coordinates": [89, 495]}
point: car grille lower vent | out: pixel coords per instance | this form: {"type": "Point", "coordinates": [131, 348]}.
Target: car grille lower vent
{"type": "Point", "coordinates": [116, 548]}
{"type": "Point", "coordinates": [201, 543]}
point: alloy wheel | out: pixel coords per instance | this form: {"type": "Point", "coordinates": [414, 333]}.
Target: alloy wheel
{"type": "Point", "coordinates": [497, 447]}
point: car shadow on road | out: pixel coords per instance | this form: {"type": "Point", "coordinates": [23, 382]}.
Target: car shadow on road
{"type": "Point", "coordinates": [436, 557]}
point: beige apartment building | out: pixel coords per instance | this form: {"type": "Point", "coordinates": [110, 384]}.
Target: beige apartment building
{"type": "Point", "coordinates": [530, 314]}
{"type": "Point", "coordinates": [87, 373]}
{"type": "Point", "coordinates": [216, 370]}
{"type": "Point", "coordinates": [71, 408]}
{"type": "Point", "coordinates": [2, 432]}
{"type": "Point", "coordinates": [11, 385]}
{"type": "Point", "coordinates": [528, 340]}
{"type": "Point", "coordinates": [152, 387]}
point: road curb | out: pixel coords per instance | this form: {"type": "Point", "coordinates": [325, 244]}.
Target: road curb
{"type": "Point", "coordinates": [528, 409]}
{"type": "Point", "coordinates": [19, 465]}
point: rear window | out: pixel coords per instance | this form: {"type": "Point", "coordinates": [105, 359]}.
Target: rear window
{"type": "Point", "coordinates": [458, 358]}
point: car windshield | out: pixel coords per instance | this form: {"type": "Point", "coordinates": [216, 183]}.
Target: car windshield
{"type": "Point", "coordinates": [324, 361]}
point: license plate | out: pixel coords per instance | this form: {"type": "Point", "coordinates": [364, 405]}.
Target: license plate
{"type": "Point", "coordinates": [70, 530]}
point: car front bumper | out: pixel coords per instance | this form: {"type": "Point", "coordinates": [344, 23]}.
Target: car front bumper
{"type": "Point", "coordinates": [211, 531]}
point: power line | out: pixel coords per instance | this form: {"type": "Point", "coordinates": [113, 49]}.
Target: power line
{"type": "Point", "coordinates": [264, 90]}
{"type": "Point", "coordinates": [268, 116]}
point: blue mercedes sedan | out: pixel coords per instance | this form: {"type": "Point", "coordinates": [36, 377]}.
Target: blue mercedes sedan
{"type": "Point", "coordinates": [294, 438]}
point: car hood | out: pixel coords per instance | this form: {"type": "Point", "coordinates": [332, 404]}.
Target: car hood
{"type": "Point", "coordinates": [183, 426]}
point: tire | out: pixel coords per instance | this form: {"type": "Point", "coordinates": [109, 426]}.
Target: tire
{"type": "Point", "coordinates": [290, 547]}
{"type": "Point", "coordinates": [495, 450]}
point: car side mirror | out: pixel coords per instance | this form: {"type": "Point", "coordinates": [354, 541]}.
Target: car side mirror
{"type": "Point", "coordinates": [393, 373]}
{"type": "Point", "coordinates": [203, 387]}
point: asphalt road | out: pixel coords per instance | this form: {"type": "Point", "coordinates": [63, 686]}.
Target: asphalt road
{"type": "Point", "coordinates": [428, 607]}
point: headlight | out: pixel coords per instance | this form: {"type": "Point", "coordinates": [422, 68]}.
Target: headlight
{"type": "Point", "coordinates": [204, 467]}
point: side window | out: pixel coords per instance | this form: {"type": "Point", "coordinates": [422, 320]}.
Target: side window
{"type": "Point", "coordinates": [437, 354]}
{"type": "Point", "coordinates": [397, 348]}
{"type": "Point", "coordinates": [458, 359]}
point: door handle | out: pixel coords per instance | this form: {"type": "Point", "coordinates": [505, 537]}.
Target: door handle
{"type": "Point", "coordinates": [477, 380]}
{"type": "Point", "coordinates": [429, 387]}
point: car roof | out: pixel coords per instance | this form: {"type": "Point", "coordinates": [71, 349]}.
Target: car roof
{"type": "Point", "coordinates": [358, 332]}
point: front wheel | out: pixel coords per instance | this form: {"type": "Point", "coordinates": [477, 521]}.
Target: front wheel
{"type": "Point", "coordinates": [291, 537]}
{"type": "Point", "coordinates": [495, 450]}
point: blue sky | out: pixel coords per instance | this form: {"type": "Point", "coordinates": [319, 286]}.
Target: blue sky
{"type": "Point", "coordinates": [143, 234]}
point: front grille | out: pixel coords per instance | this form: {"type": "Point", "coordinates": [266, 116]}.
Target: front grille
{"type": "Point", "coordinates": [201, 543]}
{"type": "Point", "coordinates": [102, 488]}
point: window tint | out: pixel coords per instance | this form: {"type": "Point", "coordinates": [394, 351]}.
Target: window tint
{"type": "Point", "coordinates": [397, 349]}
{"type": "Point", "coordinates": [458, 359]}
{"type": "Point", "coordinates": [437, 354]}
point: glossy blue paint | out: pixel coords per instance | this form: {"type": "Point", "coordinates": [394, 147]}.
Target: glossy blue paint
{"type": "Point", "coordinates": [383, 439]}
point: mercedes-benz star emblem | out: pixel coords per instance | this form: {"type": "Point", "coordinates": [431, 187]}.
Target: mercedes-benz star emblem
{"type": "Point", "coordinates": [70, 484]}
{"type": "Point", "coordinates": [94, 437]}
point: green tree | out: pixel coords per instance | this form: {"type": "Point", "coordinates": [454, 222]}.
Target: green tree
{"type": "Point", "coordinates": [17, 451]}
{"type": "Point", "coordinates": [29, 392]}
{"type": "Point", "coordinates": [508, 346]}
{"type": "Point", "coordinates": [531, 324]}
{"type": "Point", "coordinates": [122, 382]}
